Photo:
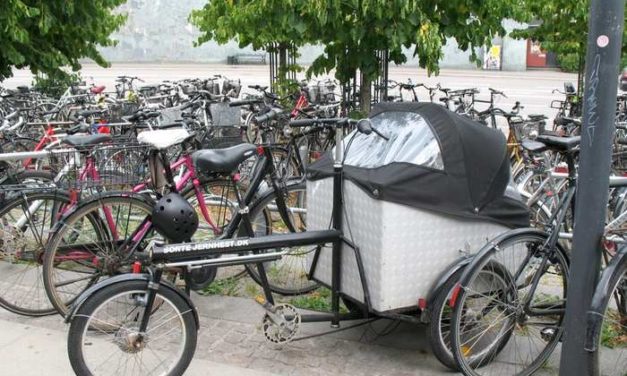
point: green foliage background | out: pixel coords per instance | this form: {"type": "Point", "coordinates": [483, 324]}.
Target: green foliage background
{"type": "Point", "coordinates": [54, 84]}
{"type": "Point", "coordinates": [352, 31]}
{"type": "Point", "coordinates": [563, 29]}
{"type": "Point", "coordinates": [46, 35]}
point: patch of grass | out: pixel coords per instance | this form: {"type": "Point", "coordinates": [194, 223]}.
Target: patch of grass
{"type": "Point", "coordinates": [319, 300]}
{"type": "Point", "coordinates": [613, 334]}
{"type": "Point", "coordinates": [543, 299]}
{"type": "Point", "coordinates": [252, 289]}
{"type": "Point", "coordinates": [227, 286]}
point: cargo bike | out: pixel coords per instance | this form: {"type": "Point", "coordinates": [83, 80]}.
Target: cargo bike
{"type": "Point", "coordinates": [393, 216]}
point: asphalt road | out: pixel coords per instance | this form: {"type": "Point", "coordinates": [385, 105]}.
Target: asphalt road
{"type": "Point", "coordinates": [532, 88]}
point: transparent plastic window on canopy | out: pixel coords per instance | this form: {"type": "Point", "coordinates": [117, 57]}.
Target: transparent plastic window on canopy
{"type": "Point", "coordinates": [411, 141]}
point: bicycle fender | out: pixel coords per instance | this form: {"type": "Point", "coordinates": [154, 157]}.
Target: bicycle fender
{"type": "Point", "coordinates": [447, 274]}
{"type": "Point", "coordinates": [490, 245]}
{"type": "Point", "coordinates": [122, 278]}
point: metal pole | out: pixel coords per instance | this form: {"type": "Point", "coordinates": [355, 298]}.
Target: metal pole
{"type": "Point", "coordinates": [603, 53]}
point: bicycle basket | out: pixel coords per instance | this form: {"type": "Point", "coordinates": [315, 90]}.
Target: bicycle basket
{"type": "Point", "coordinates": [231, 88]}
{"type": "Point", "coordinates": [118, 165]}
{"type": "Point", "coordinates": [170, 115]}
{"type": "Point", "coordinates": [222, 138]}
{"type": "Point", "coordinates": [120, 109]}
{"type": "Point", "coordinates": [224, 116]}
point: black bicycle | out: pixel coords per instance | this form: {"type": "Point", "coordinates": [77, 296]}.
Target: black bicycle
{"type": "Point", "coordinates": [509, 305]}
{"type": "Point", "coordinates": [135, 311]}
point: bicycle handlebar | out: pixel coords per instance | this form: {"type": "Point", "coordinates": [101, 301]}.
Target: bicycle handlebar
{"type": "Point", "coordinates": [128, 78]}
{"type": "Point", "coordinates": [497, 92]}
{"type": "Point", "coordinates": [320, 121]}
{"type": "Point", "coordinates": [245, 102]}
{"type": "Point", "coordinates": [270, 115]}
{"type": "Point", "coordinates": [140, 115]}
{"type": "Point", "coordinates": [460, 92]}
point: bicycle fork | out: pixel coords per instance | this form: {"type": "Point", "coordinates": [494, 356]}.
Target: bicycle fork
{"type": "Point", "coordinates": [149, 302]}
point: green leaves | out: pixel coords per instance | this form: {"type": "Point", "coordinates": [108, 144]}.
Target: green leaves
{"type": "Point", "coordinates": [563, 26]}
{"type": "Point", "coordinates": [352, 31]}
{"type": "Point", "coordinates": [48, 35]}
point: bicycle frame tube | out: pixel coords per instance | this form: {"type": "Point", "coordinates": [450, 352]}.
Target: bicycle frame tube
{"type": "Point", "coordinates": [232, 227]}
{"type": "Point", "coordinates": [45, 139]}
{"type": "Point", "coordinates": [300, 103]}
{"type": "Point", "coordinates": [548, 247]}
{"type": "Point", "coordinates": [91, 171]}
{"type": "Point", "coordinates": [196, 253]}
{"type": "Point", "coordinates": [190, 174]}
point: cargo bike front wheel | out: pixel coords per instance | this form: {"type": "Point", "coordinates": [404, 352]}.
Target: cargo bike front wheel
{"type": "Point", "coordinates": [105, 336]}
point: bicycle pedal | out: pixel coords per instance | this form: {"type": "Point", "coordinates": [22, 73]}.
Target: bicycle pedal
{"type": "Point", "coordinates": [269, 307]}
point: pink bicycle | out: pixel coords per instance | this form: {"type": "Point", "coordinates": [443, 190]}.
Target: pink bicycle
{"type": "Point", "coordinates": [94, 166]}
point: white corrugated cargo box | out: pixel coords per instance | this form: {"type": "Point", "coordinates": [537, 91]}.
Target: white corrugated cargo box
{"type": "Point", "coordinates": [404, 249]}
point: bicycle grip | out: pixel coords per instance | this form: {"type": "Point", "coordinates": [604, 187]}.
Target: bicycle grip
{"type": "Point", "coordinates": [302, 122]}
{"type": "Point", "coordinates": [308, 122]}
{"type": "Point", "coordinates": [268, 116]}
{"type": "Point", "coordinates": [244, 102]}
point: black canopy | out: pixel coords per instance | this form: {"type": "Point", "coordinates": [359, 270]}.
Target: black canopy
{"type": "Point", "coordinates": [435, 160]}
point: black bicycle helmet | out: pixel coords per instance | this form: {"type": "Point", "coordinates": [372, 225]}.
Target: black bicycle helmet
{"type": "Point", "coordinates": [175, 218]}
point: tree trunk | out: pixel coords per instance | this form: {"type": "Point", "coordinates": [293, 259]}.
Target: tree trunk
{"type": "Point", "coordinates": [365, 95]}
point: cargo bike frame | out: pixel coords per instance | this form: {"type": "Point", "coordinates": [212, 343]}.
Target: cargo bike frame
{"type": "Point", "coordinates": [227, 251]}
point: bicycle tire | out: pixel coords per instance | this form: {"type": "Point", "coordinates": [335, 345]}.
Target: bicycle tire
{"type": "Point", "coordinates": [35, 176]}
{"type": "Point", "coordinates": [610, 357]}
{"type": "Point", "coordinates": [102, 260]}
{"type": "Point", "coordinates": [475, 362]}
{"type": "Point", "coordinates": [287, 276]}
{"type": "Point", "coordinates": [80, 328]}
{"type": "Point", "coordinates": [17, 267]}
{"type": "Point", "coordinates": [438, 332]}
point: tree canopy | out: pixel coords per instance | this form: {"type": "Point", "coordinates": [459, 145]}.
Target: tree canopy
{"type": "Point", "coordinates": [352, 31]}
{"type": "Point", "coordinates": [48, 35]}
{"type": "Point", "coordinates": [562, 26]}
{"type": "Point", "coordinates": [257, 23]}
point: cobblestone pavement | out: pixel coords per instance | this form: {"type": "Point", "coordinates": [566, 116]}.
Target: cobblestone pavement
{"type": "Point", "coordinates": [230, 336]}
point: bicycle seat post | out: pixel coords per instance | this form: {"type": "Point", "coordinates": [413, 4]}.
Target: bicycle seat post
{"type": "Point", "coordinates": [572, 172]}
{"type": "Point", "coordinates": [160, 172]}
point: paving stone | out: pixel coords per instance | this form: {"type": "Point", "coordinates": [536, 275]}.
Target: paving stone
{"type": "Point", "coordinates": [242, 344]}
